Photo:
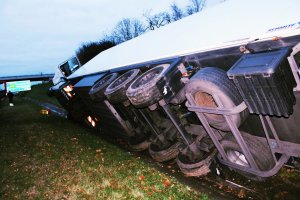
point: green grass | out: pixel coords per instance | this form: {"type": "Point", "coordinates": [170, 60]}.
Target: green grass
{"type": "Point", "coordinates": [47, 157]}
{"type": "Point", "coordinates": [39, 92]}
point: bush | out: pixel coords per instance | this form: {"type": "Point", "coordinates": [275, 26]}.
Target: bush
{"type": "Point", "coordinates": [87, 51]}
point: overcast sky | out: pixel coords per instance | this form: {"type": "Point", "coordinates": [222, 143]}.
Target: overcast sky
{"type": "Point", "coordinates": [37, 35]}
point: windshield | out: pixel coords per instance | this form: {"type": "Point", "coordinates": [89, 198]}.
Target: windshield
{"type": "Point", "coordinates": [69, 66]}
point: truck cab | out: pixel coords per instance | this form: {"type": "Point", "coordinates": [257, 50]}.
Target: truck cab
{"type": "Point", "coordinates": [65, 69]}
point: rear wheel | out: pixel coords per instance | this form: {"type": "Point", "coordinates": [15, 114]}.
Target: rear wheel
{"type": "Point", "coordinates": [258, 148]}
{"type": "Point", "coordinates": [143, 92]}
{"type": "Point", "coordinates": [139, 143]}
{"type": "Point", "coordinates": [97, 91]}
{"type": "Point", "coordinates": [163, 152]}
{"type": "Point", "coordinates": [195, 159]}
{"type": "Point", "coordinates": [116, 91]}
{"type": "Point", "coordinates": [196, 166]}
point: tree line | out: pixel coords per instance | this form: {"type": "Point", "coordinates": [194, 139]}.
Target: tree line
{"type": "Point", "coordinates": [129, 28]}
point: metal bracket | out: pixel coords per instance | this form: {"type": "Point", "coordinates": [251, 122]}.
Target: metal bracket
{"type": "Point", "coordinates": [176, 121]}
{"type": "Point", "coordinates": [149, 123]}
{"type": "Point", "coordinates": [283, 159]}
{"type": "Point", "coordinates": [294, 66]}
{"type": "Point", "coordinates": [191, 105]}
{"type": "Point", "coordinates": [275, 145]}
{"type": "Point", "coordinates": [218, 111]}
{"type": "Point", "coordinates": [118, 117]}
{"type": "Point", "coordinates": [225, 112]}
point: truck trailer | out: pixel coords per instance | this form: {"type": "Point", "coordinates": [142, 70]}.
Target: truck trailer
{"type": "Point", "coordinates": [222, 84]}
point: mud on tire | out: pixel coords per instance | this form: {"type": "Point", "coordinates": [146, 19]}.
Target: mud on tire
{"type": "Point", "coordinates": [196, 168]}
{"type": "Point", "coordinates": [97, 91]}
{"type": "Point", "coordinates": [143, 91]}
{"type": "Point", "coordinates": [116, 91]}
{"type": "Point", "coordinates": [166, 154]}
{"type": "Point", "coordinates": [140, 145]}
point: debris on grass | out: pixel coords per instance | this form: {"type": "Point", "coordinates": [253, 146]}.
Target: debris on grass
{"type": "Point", "coordinates": [142, 177]}
{"type": "Point", "coordinates": [167, 183]}
{"type": "Point", "coordinates": [45, 112]}
{"type": "Point", "coordinates": [53, 158]}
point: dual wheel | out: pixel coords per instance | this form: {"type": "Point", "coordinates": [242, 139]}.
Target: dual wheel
{"type": "Point", "coordinates": [113, 87]}
{"type": "Point", "coordinates": [143, 92]}
{"type": "Point", "coordinates": [203, 86]}
{"type": "Point", "coordinates": [116, 94]}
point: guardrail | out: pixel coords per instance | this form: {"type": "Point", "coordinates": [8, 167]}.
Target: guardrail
{"type": "Point", "coordinates": [36, 77]}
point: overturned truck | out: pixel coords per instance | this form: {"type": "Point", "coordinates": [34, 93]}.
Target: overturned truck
{"type": "Point", "coordinates": [218, 85]}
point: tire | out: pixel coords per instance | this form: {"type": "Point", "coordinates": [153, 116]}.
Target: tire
{"type": "Point", "coordinates": [116, 91]}
{"type": "Point", "coordinates": [143, 92]}
{"type": "Point", "coordinates": [196, 168]}
{"type": "Point", "coordinates": [212, 80]}
{"type": "Point", "coordinates": [258, 148]}
{"type": "Point", "coordinates": [140, 140]}
{"type": "Point", "coordinates": [166, 154]}
{"type": "Point", "coordinates": [97, 91]}
{"type": "Point", "coordinates": [138, 146]}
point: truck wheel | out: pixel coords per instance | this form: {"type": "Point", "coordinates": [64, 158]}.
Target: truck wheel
{"type": "Point", "coordinates": [197, 167]}
{"type": "Point", "coordinates": [258, 148]}
{"type": "Point", "coordinates": [116, 91]}
{"type": "Point", "coordinates": [212, 80]}
{"type": "Point", "coordinates": [138, 144]}
{"type": "Point", "coordinates": [143, 92]}
{"type": "Point", "coordinates": [166, 153]}
{"type": "Point", "coordinates": [97, 91]}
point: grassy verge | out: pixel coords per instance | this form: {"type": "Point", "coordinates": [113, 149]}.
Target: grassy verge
{"type": "Point", "coordinates": [47, 157]}
{"type": "Point", "coordinates": [39, 92]}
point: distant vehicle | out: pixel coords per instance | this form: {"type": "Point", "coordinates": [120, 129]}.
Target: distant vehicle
{"type": "Point", "coordinates": [2, 91]}
{"type": "Point", "coordinates": [222, 85]}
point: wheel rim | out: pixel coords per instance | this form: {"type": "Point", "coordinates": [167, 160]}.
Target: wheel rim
{"type": "Point", "coordinates": [102, 81]}
{"type": "Point", "coordinates": [205, 99]}
{"type": "Point", "coordinates": [237, 158]}
{"type": "Point", "coordinates": [121, 79]}
{"type": "Point", "coordinates": [147, 77]}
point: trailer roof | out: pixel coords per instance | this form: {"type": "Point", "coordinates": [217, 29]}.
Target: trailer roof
{"type": "Point", "coordinates": [226, 24]}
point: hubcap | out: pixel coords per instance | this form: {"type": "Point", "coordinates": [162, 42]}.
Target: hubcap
{"type": "Point", "coordinates": [237, 158]}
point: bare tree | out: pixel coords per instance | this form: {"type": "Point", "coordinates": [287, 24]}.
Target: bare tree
{"type": "Point", "coordinates": [127, 29]}
{"type": "Point", "coordinates": [157, 20]}
{"type": "Point", "coordinates": [195, 6]}
{"type": "Point", "coordinates": [176, 12]}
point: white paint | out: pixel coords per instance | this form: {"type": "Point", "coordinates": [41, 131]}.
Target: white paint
{"type": "Point", "coordinates": [232, 22]}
